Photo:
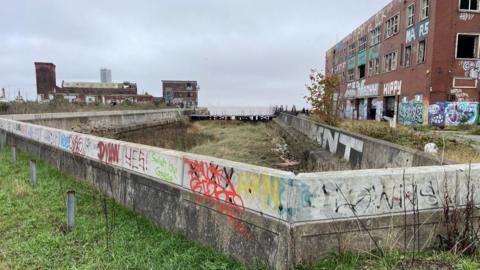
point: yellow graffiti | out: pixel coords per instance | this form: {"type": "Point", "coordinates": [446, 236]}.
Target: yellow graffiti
{"type": "Point", "coordinates": [264, 188]}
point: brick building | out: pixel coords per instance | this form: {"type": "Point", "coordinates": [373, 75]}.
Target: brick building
{"type": "Point", "coordinates": [46, 80]}
{"type": "Point", "coordinates": [87, 92]}
{"type": "Point", "coordinates": [183, 93]}
{"type": "Point", "coordinates": [408, 58]}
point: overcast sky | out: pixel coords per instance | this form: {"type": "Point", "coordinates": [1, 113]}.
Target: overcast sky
{"type": "Point", "coordinates": [242, 52]}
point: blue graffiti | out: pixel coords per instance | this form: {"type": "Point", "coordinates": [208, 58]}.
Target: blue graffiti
{"type": "Point", "coordinates": [65, 141]}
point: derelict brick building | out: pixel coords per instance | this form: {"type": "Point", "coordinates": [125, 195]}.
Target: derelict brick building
{"type": "Point", "coordinates": [183, 93]}
{"type": "Point", "coordinates": [425, 51]}
{"type": "Point", "coordinates": [86, 92]}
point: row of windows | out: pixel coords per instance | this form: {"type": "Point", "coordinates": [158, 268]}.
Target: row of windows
{"type": "Point", "coordinates": [390, 62]}
{"type": "Point", "coordinates": [392, 26]}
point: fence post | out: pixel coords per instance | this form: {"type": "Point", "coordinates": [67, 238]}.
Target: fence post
{"type": "Point", "coordinates": [70, 210]}
{"type": "Point", "coordinates": [14, 154]}
{"type": "Point", "coordinates": [33, 172]}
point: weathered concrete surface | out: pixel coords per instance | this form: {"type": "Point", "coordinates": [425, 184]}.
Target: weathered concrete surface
{"type": "Point", "coordinates": [250, 212]}
{"type": "Point", "coordinates": [314, 157]}
{"type": "Point", "coordinates": [361, 151]}
{"type": "Point", "coordinates": [106, 120]}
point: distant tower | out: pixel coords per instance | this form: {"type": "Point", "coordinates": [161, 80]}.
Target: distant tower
{"type": "Point", "coordinates": [105, 75]}
{"type": "Point", "coordinates": [46, 79]}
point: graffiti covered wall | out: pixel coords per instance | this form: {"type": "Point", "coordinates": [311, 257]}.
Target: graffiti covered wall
{"type": "Point", "coordinates": [453, 113]}
{"type": "Point", "coordinates": [411, 113]}
{"type": "Point", "coordinates": [231, 188]}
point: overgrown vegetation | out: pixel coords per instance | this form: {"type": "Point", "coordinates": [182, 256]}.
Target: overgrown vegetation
{"type": "Point", "coordinates": [416, 138]}
{"type": "Point", "coordinates": [59, 105]}
{"type": "Point", "coordinates": [427, 260]}
{"type": "Point", "coordinates": [33, 235]}
{"type": "Point", "coordinates": [323, 96]}
{"type": "Point", "coordinates": [253, 143]}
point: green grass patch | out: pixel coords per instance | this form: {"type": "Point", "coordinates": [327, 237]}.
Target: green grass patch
{"type": "Point", "coordinates": [426, 260]}
{"type": "Point", "coordinates": [33, 234]}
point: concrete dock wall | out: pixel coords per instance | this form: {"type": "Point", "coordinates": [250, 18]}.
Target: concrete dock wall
{"type": "Point", "coordinates": [253, 213]}
{"type": "Point", "coordinates": [361, 151]}
{"type": "Point", "coordinates": [100, 120]}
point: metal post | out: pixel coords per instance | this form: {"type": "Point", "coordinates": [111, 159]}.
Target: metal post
{"type": "Point", "coordinates": [33, 172]}
{"type": "Point", "coordinates": [14, 154]}
{"type": "Point", "coordinates": [70, 210]}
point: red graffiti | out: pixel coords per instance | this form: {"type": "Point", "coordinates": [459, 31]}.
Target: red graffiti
{"type": "Point", "coordinates": [108, 152]}
{"type": "Point", "coordinates": [136, 159]}
{"type": "Point", "coordinates": [77, 145]}
{"type": "Point", "coordinates": [214, 183]}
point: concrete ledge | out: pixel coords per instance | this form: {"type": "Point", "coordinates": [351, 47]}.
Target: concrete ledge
{"type": "Point", "coordinates": [361, 151]}
{"type": "Point", "coordinates": [250, 212]}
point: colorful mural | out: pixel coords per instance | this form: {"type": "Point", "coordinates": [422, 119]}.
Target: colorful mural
{"type": "Point", "coordinates": [436, 114]}
{"type": "Point", "coordinates": [461, 113]}
{"type": "Point", "coordinates": [411, 114]}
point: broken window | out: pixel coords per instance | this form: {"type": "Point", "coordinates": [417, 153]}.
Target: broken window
{"type": "Point", "coordinates": [467, 46]}
{"type": "Point", "coordinates": [361, 71]}
{"type": "Point", "coordinates": [425, 9]}
{"type": "Point", "coordinates": [411, 15]}
{"type": "Point", "coordinates": [408, 56]}
{"type": "Point", "coordinates": [390, 62]}
{"type": "Point", "coordinates": [469, 5]}
{"type": "Point", "coordinates": [391, 26]}
{"type": "Point", "coordinates": [421, 51]}
{"type": "Point", "coordinates": [351, 74]}
{"type": "Point", "coordinates": [375, 36]}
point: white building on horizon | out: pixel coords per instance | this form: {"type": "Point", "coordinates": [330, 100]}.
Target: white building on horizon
{"type": "Point", "coordinates": [105, 75]}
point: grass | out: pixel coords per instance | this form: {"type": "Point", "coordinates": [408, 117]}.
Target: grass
{"type": "Point", "coordinates": [33, 235]}
{"type": "Point", "coordinates": [414, 137]}
{"type": "Point", "coordinates": [395, 260]}
{"type": "Point", "coordinates": [251, 143]}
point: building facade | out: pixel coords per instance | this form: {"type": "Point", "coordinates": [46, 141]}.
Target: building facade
{"type": "Point", "coordinates": [105, 75]}
{"type": "Point", "coordinates": [184, 93]}
{"type": "Point", "coordinates": [85, 92]}
{"type": "Point", "coordinates": [412, 59]}
{"type": "Point", "coordinates": [46, 80]}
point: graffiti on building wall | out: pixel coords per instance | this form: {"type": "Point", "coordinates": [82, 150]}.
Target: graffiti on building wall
{"type": "Point", "coordinates": [379, 112]}
{"type": "Point", "coordinates": [420, 30]}
{"type": "Point", "coordinates": [466, 16]}
{"type": "Point", "coordinates": [472, 69]}
{"type": "Point", "coordinates": [214, 183]}
{"type": "Point", "coordinates": [108, 152]}
{"type": "Point", "coordinates": [457, 113]}
{"type": "Point", "coordinates": [436, 114]}
{"type": "Point", "coordinates": [411, 113]}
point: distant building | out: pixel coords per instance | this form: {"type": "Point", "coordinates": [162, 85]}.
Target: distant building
{"type": "Point", "coordinates": [184, 93]}
{"type": "Point", "coordinates": [46, 80]}
{"type": "Point", "coordinates": [85, 92]}
{"type": "Point", "coordinates": [105, 75]}
{"type": "Point", "coordinates": [3, 96]}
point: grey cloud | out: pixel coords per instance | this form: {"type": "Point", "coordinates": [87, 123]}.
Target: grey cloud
{"type": "Point", "coordinates": [241, 52]}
